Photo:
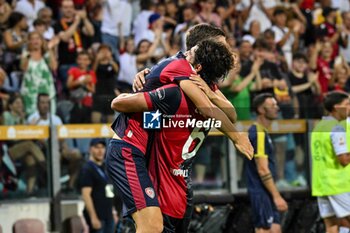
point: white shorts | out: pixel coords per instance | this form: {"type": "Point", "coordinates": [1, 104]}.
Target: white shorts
{"type": "Point", "coordinates": [338, 205]}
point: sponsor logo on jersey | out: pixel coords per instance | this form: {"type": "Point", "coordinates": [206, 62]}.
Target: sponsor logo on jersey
{"type": "Point", "coordinates": [150, 192]}
{"type": "Point", "coordinates": [152, 120]}
{"type": "Point", "coordinates": [179, 172]}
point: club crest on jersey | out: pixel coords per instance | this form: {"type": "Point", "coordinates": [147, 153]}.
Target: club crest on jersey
{"type": "Point", "coordinates": [152, 120]}
{"type": "Point", "coordinates": [150, 192]}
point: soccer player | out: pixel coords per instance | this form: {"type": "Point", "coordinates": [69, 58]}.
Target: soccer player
{"type": "Point", "coordinates": [135, 186]}
{"type": "Point", "coordinates": [330, 163]}
{"type": "Point", "coordinates": [173, 148]}
{"type": "Point", "coordinates": [265, 199]}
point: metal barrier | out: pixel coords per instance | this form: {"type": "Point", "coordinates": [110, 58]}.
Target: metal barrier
{"type": "Point", "coordinates": [103, 130]}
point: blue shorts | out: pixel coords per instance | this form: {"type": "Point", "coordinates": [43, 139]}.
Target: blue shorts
{"type": "Point", "coordinates": [264, 210]}
{"type": "Point", "coordinates": [127, 168]}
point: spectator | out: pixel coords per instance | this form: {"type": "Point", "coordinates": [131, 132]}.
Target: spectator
{"type": "Point", "coordinates": [327, 31]}
{"type": "Point", "coordinates": [254, 32]}
{"type": "Point", "coordinates": [5, 12]}
{"type": "Point", "coordinates": [81, 83]}
{"type": "Point", "coordinates": [15, 40]}
{"type": "Point", "coordinates": [172, 15]}
{"type": "Point", "coordinates": [139, 25]}
{"type": "Point", "coordinates": [38, 63]}
{"type": "Point", "coordinates": [345, 37]}
{"type": "Point", "coordinates": [27, 152]}
{"type": "Point", "coordinates": [287, 39]}
{"type": "Point", "coordinates": [106, 70]}
{"type": "Point", "coordinates": [115, 12]}
{"type": "Point", "coordinates": [305, 86]}
{"type": "Point", "coordinates": [45, 14]}
{"type": "Point", "coordinates": [277, 55]}
{"type": "Point", "coordinates": [261, 10]}
{"type": "Point", "coordinates": [131, 62]}
{"type": "Point", "coordinates": [207, 14]}
{"type": "Point", "coordinates": [237, 89]}
{"type": "Point", "coordinates": [189, 16]}
{"type": "Point", "coordinates": [30, 9]}
{"type": "Point", "coordinates": [73, 25]}
{"type": "Point", "coordinates": [266, 201]}
{"type": "Point", "coordinates": [43, 117]}
{"type": "Point", "coordinates": [321, 61]}
{"type": "Point", "coordinates": [96, 190]}
{"type": "Point", "coordinates": [155, 30]}
{"type": "Point", "coordinates": [330, 158]}
{"type": "Point", "coordinates": [341, 78]}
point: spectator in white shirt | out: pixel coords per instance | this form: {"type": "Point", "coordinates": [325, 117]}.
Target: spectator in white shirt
{"type": "Point", "coordinates": [139, 25]}
{"type": "Point", "coordinates": [30, 9]}
{"type": "Point", "coordinates": [261, 10]}
{"type": "Point", "coordinates": [115, 12]}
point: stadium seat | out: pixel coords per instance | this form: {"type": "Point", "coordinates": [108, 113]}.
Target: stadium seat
{"type": "Point", "coordinates": [73, 225]}
{"type": "Point", "coordinates": [28, 225]}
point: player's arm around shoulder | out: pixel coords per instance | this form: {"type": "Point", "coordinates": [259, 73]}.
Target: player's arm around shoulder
{"type": "Point", "coordinates": [216, 97]}
{"type": "Point", "coordinates": [340, 144]}
{"type": "Point", "coordinates": [127, 103]}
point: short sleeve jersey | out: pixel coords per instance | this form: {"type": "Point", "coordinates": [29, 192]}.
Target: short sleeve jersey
{"type": "Point", "coordinates": [263, 148]}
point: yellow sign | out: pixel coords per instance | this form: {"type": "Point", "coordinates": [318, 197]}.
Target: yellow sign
{"type": "Point", "coordinates": [23, 132]}
{"type": "Point", "coordinates": [84, 131]}
{"type": "Point", "coordinates": [277, 127]}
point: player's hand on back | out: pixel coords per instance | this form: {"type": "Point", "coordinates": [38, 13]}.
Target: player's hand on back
{"type": "Point", "coordinates": [281, 204]}
{"type": "Point", "coordinates": [196, 79]}
{"type": "Point", "coordinates": [140, 80]}
{"type": "Point", "coordinates": [244, 146]}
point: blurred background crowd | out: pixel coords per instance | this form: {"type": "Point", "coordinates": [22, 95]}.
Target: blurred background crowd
{"type": "Point", "coordinates": [63, 61]}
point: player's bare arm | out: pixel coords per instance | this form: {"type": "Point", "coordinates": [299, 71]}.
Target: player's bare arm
{"type": "Point", "coordinates": [130, 103]}
{"type": "Point", "coordinates": [216, 97]}
{"type": "Point", "coordinates": [209, 110]}
{"type": "Point", "coordinates": [262, 165]}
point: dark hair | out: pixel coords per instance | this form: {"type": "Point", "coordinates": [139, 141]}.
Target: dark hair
{"type": "Point", "coordinates": [270, 32]}
{"type": "Point", "coordinates": [260, 100]}
{"type": "Point", "coordinates": [139, 45]}
{"type": "Point", "coordinates": [13, 98]}
{"type": "Point", "coordinates": [14, 19]}
{"type": "Point", "coordinates": [333, 98]}
{"type": "Point", "coordinates": [38, 22]}
{"type": "Point", "coordinates": [279, 11]}
{"type": "Point", "coordinates": [42, 94]}
{"type": "Point", "coordinates": [146, 4]}
{"type": "Point", "coordinates": [104, 46]}
{"type": "Point", "coordinates": [299, 56]}
{"type": "Point", "coordinates": [201, 32]}
{"type": "Point", "coordinates": [82, 53]}
{"type": "Point", "coordinates": [261, 43]}
{"type": "Point", "coordinates": [215, 58]}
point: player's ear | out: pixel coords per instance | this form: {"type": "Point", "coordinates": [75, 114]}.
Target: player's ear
{"type": "Point", "coordinates": [198, 67]}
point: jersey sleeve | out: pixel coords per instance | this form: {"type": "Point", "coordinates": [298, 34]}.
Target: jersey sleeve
{"type": "Point", "coordinates": [167, 99]}
{"type": "Point", "coordinates": [175, 71]}
{"type": "Point", "coordinates": [338, 138]}
{"type": "Point", "coordinates": [86, 178]}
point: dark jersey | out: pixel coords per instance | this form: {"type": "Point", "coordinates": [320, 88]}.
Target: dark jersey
{"type": "Point", "coordinates": [174, 147]}
{"type": "Point", "coordinates": [263, 147]}
{"type": "Point", "coordinates": [129, 127]}
{"type": "Point", "coordinates": [92, 175]}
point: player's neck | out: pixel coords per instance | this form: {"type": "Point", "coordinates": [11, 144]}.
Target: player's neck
{"type": "Point", "coordinates": [264, 121]}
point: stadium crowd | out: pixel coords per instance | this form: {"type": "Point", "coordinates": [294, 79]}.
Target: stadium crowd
{"type": "Point", "coordinates": [70, 58]}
